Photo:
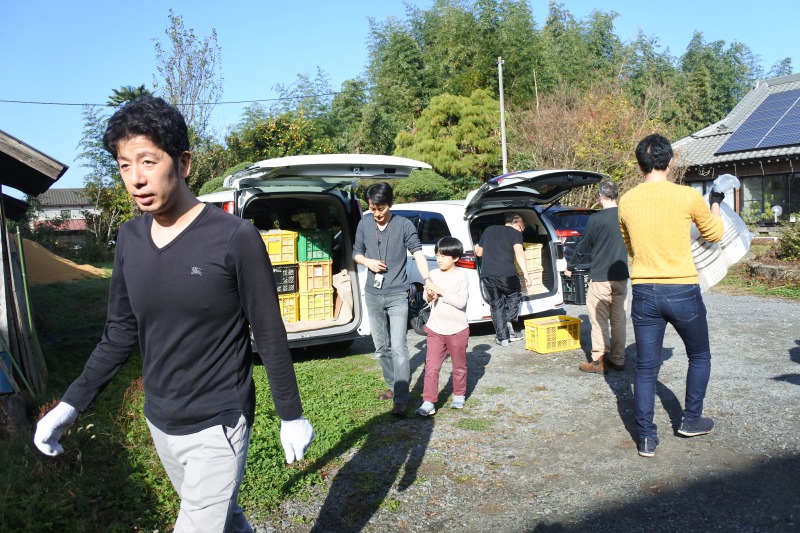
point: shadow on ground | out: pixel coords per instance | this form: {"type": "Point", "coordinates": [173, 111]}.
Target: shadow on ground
{"type": "Point", "coordinates": [763, 498]}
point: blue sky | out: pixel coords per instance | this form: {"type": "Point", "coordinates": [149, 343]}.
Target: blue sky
{"type": "Point", "coordinates": [76, 52]}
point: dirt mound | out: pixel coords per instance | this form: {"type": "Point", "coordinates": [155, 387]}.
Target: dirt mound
{"type": "Point", "coordinates": [45, 267]}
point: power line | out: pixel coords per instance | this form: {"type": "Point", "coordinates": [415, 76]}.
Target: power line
{"type": "Point", "coordinates": [32, 102]}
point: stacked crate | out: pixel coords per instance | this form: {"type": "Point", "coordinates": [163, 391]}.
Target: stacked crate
{"type": "Point", "coordinates": [303, 272]}
{"type": "Point", "coordinates": [316, 289]}
{"type": "Point", "coordinates": [533, 264]}
{"type": "Point", "coordinates": [282, 250]}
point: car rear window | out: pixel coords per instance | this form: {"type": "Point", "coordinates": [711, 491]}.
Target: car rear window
{"type": "Point", "coordinates": [570, 219]}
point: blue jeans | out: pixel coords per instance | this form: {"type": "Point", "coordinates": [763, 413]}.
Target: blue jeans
{"type": "Point", "coordinates": [653, 306]}
{"type": "Point", "coordinates": [388, 320]}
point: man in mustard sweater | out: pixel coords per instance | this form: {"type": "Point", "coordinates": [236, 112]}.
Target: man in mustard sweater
{"type": "Point", "coordinates": [655, 218]}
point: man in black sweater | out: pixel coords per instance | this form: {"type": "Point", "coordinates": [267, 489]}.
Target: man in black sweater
{"type": "Point", "coordinates": [608, 282]}
{"type": "Point", "coordinates": [188, 282]}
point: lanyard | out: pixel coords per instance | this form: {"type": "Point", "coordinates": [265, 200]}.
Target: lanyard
{"type": "Point", "coordinates": [378, 239]}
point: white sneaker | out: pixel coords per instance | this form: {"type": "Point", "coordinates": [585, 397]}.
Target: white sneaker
{"type": "Point", "coordinates": [503, 342]}
{"type": "Point", "coordinates": [458, 402]}
{"type": "Point", "coordinates": [426, 409]}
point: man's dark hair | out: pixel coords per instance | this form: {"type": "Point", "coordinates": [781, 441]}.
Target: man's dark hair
{"type": "Point", "coordinates": [449, 246]}
{"type": "Point", "coordinates": [151, 117]}
{"type": "Point", "coordinates": [379, 193]}
{"type": "Point", "coordinates": [513, 217]}
{"type": "Point", "coordinates": [608, 189]}
{"type": "Point", "coordinates": [654, 152]}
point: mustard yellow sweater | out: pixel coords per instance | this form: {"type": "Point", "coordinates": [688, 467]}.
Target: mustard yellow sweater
{"type": "Point", "coordinates": [655, 219]}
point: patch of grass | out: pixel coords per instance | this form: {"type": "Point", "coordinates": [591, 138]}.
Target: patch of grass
{"type": "Point", "coordinates": [390, 505]}
{"type": "Point", "coordinates": [495, 390]}
{"type": "Point", "coordinates": [111, 479]}
{"type": "Point", "coordinates": [739, 281]}
{"type": "Point", "coordinates": [474, 424]}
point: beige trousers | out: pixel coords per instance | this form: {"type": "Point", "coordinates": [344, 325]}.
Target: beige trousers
{"type": "Point", "coordinates": [606, 305]}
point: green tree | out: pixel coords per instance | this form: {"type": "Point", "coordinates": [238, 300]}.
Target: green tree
{"type": "Point", "coordinates": [377, 130]}
{"type": "Point", "coordinates": [346, 115]}
{"type": "Point", "coordinates": [781, 68]}
{"type": "Point", "coordinates": [398, 85]}
{"type": "Point", "coordinates": [189, 75]}
{"type": "Point", "coordinates": [421, 186]}
{"type": "Point", "coordinates": [650, 78]}
{"type": "Point", "coordinates": [596, 130]}
{"type": "Point", "coordinates": [111, 204]}
{"type": "Point", "coordinates": [216, 184]}
{"type": "Point", "coordinates": [125, 94]}
{"type": "Point", "coordinates": [309, 96]}
{"type": "Point", "coordinates": [716, 79]}
{"type": "Point", "coordinates": [281, 136]}
{"type": "Point", "coordinates": [458, 136]}
{"type": "Point", "coordinates": [208, 161]}
{"type": "Point", "coordinates": [567, 57]}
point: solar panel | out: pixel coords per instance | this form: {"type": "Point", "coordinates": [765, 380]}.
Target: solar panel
{"type": "Point", "coordinates": [776, 122]}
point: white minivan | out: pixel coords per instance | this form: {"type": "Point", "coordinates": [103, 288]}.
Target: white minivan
{"type": "Point", "coordinates": [308, 193]}
{"type": "Point", "coordinates": [528, 193]}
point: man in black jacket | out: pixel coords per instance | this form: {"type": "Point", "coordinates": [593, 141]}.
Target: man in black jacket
{"type": "Point", "coordinates": [608, 282]}
{"type": "Point", "coordinates": [189, 280]}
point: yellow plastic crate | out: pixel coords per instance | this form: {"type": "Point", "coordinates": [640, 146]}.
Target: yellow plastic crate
{"type": "Point", "coordinates": [281, 246]}
{"type": "Point", "coordinates": [553, 334]}
{"type": "Point", "coordinates": [316, 305]}
{"type": "Point", "coordinates": [289, 304]}
{"type": "Point", "coordinates": [315, 275]}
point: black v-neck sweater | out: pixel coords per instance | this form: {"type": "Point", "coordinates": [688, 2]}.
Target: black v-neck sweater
{"type": "Point", "coordinates": [189, 305]}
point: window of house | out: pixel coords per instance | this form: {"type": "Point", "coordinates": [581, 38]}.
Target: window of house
{"type": "Point", "coordinates": [761, 193]}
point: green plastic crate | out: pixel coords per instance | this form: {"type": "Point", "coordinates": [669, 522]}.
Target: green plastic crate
{"type": "Point", "coordinates": [314, 245]}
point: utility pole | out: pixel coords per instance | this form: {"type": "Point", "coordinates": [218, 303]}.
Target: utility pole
{"type": "Point", "coordinates": [502, 112]}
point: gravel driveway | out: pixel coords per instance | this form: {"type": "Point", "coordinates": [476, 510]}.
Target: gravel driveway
{"type": "Point", "coordinates": [542, 446]}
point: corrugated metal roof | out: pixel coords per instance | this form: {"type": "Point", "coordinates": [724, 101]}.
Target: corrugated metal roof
{"type": "Point", "coordinates": [64, 197]}
{"type": "Point", "coordinates": [698, 149]}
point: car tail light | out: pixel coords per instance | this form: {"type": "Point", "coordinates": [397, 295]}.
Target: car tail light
{"type": "Point", "coordinates": [560, 251]}
{"type": "Point", "coordinates": [227, 207]}
{"type": "Point", "coordinates": [468, 260]}
{"type": "Point", "coordinates": [564, 233]}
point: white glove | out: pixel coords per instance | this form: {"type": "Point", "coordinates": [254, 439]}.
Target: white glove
{"type": "Point", "coordinates": [296, 435]}
{"type": "Point", "coordinates": [52, 426]}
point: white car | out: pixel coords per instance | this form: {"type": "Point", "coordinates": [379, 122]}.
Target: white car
{"type": "Point", "coordinates": [519, 192]}
{"type": "Point", "coordinates": [304, 194]}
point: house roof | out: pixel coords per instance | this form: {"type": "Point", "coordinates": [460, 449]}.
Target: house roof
{"type": "Point", "coordinates": [63, 197]}
{"type": "Point", "coordinates": [25, 168]}
{"type": "Point", "coordinates": [699, 149]}
{"type": "Point", "coordinates": [14, 208]}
